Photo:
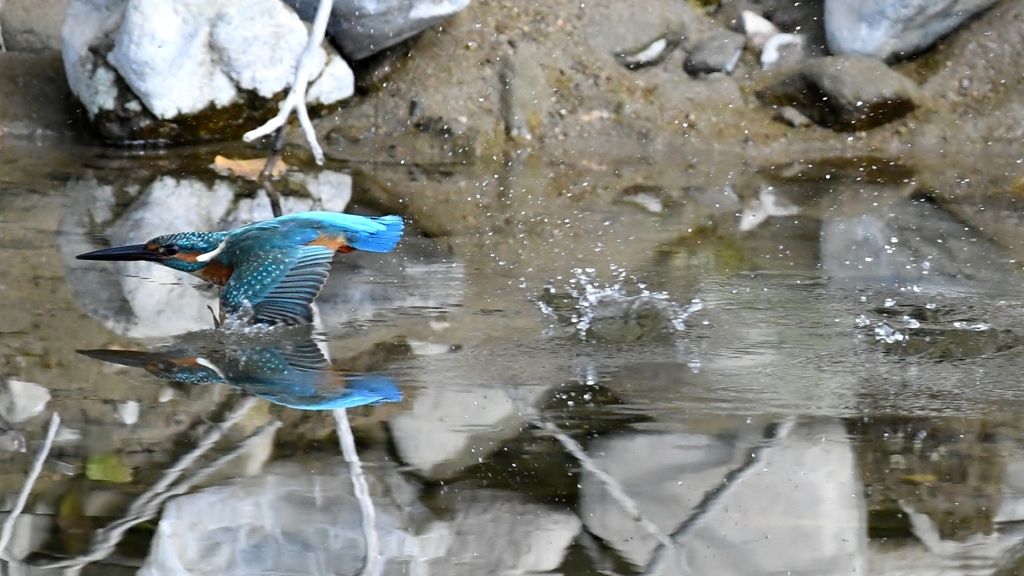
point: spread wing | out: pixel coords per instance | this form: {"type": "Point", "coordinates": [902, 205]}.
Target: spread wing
{"type": "Point", "coordinates": [279, 283]}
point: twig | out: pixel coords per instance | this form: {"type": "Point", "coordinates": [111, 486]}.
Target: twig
{"type": "Point", "coordinates": [362, 491]}
{"type": "Point", "coordinates": [148, 504]}
{"type": "Point", "coordinates": [268, 171]}
{"type": "Point", "coordinates": [612, 485]}
{"type": "Point", "coordinates": [30, 481]}
{"type": "Point", "coordinates": [274, 155]}
{"type": "Point", "coordinates": [296, 99]}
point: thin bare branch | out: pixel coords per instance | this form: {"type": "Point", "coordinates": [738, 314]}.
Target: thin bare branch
{"type": "Point", "coordinates": [148, 504]}
{"type": "Point", "coordinates": [362, 491]}
{"type": "Point", "coordinates": [296, 98]}
{"type": "Point", "coordinates": [37, 466]}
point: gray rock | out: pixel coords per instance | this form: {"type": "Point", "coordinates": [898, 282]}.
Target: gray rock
{"type": "Point", "coordinates": [182, 71]}
{"type": "Point", "coordinates": [845, 92]}
{"type": "Point", "coordinates": [894, 28]}
{"type": "Point", "coordinates": [717, 53]}
{"type": "Point", "coordinates": [361, 28]}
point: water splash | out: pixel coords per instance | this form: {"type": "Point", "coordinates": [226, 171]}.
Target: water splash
{"type": "Point", "coordinates": [888, 334]}
{"type": "Point", "coordinates": [623, 310]}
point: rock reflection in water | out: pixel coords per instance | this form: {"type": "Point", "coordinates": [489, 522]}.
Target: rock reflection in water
{"type": "Point", "coordinates": [288, 369]}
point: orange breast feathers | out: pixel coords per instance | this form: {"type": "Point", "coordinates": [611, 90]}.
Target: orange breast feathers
{"type": "Point", "coordinates": [334, 242]}
{"type": "Point", "coordinates": [216, 272]}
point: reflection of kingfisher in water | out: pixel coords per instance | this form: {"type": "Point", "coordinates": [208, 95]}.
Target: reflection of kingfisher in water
{"type": "Point", "coordinates": [276, 267]}
{"type": "Point", "coordinates": [290, 372]}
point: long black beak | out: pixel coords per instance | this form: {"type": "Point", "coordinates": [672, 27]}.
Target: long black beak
{"type": "Point", "coordinates": [123, 357]}
{"type": "Point", "coordinates": [122, 254]}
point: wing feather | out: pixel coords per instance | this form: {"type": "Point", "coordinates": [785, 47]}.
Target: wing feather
{"type": "Point", "coordinates": [280, 284]}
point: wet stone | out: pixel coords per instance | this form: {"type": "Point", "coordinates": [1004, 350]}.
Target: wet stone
{"type": "Point", "coordinates": [650, 55]}
{"type": "Point", "coordinates": [717, 53]}
{"type": "Point", "coordinates": [362, 28]}
{"type": "Point", "coordinates": [845, 93]}
{"type": "Point", "coordinates": [894, 28]}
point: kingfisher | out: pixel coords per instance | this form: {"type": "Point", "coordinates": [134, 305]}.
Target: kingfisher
{"type": "Point", "coordinates": [274, 268]}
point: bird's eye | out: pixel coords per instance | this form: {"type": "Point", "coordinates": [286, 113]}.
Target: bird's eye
{"type": "Point", "coordinates": [168, 250]}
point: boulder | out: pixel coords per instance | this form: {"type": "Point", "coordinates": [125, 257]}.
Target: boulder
{"type": "Point", "coordinates": [165, 71]}
{"type": "Point", "coordinates": [844, 92]}
{"type": "Point", "coordinates": [894, 28]}
{"type": "Point", "coordinates": [361, 28]}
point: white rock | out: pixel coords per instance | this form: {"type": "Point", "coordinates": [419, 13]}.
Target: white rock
{"type": "Point", "coordinates": [167, 394]}
{"type": "Point", "coordinates": [182, 56]}
{"type": "Point", "coordinates": [20, 401]}
{"type": "Point", "coordinates": [88, 76]}
{"type": "Point", "coordinates": [128, 412]}
{"type": "Point", "coordinates": [259, 43]}
{"type": "Point", "coordinates": [757, 29]}
{"type": "Point", "coordinates": [335, 83]}
{"type": "Point", "coordinates": [780, 47]}
{"type": "Point", "coordinates": [332, 190]}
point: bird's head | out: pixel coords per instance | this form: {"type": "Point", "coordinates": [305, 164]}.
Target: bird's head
{"type": "Point", "coordinates": [185, 251]}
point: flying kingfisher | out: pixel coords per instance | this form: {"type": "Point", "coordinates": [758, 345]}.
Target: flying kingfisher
{"type": "Point", "coordinates": [276, 268]}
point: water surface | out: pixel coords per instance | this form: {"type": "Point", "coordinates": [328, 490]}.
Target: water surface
{"type": "Point", "coordinates": [608, 371]}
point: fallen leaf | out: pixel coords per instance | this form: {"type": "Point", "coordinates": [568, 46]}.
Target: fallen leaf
{"type": "Point", "coordinates": [107, 468]}
{"type": "Point", "coordinates": [594, 115]}
{"type": "Point", "coordinates": [920, 478]}
{"type": "Point", "coordinates": [249, 169]}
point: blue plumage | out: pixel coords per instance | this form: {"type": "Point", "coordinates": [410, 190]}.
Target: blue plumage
{"type": "Point", "coordinates": [276, 268]}
{"type": "Point", "coordinates": [291, 372]}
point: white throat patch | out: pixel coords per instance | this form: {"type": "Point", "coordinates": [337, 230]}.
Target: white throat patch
{"type": "Point", "coordinates": [207, 256]}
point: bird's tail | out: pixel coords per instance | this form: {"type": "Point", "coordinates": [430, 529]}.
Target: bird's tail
{"type": "Point", "coordinates": [381, 240]}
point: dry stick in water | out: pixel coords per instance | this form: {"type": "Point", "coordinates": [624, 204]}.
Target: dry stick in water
{"type": "Point", "coordinates": [296, 99]}
{"type": "Point", "coordinates": [610, 484]}
{"type": "Point", "coordinates": [712, 497]}
{"type": "Point", "coordinates": [148, 504]}
{"type": "Point", "coordinates": [30, 481]}
{"type": "Point", "coordinates": [362, 491]}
